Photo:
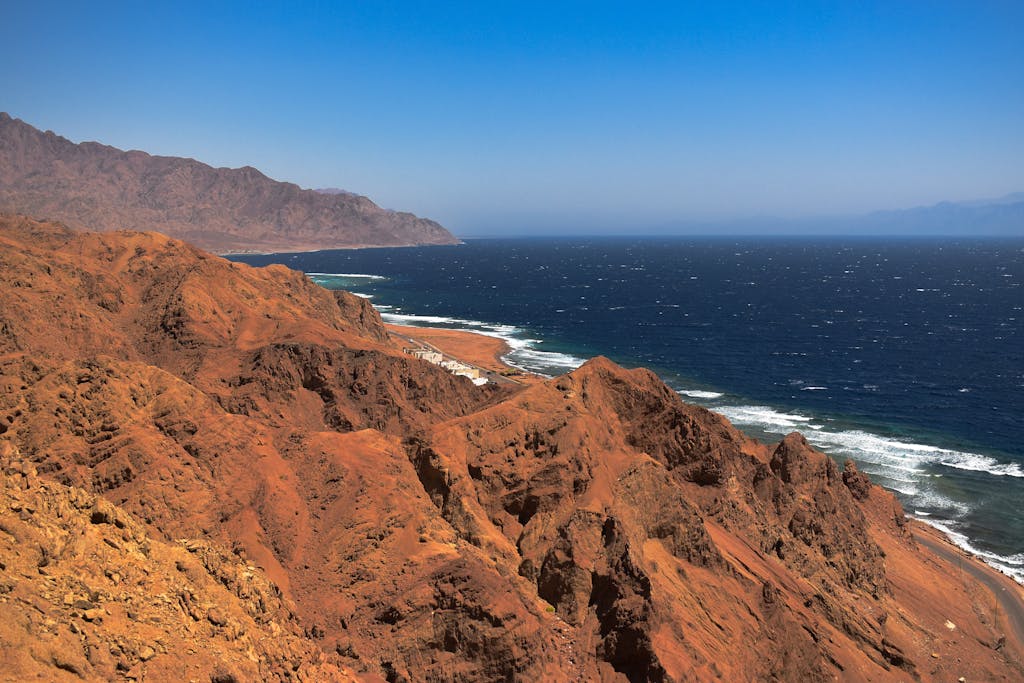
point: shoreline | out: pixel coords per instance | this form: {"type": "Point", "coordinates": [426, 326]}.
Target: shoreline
{"type": "Point", "coordinates": [477, 350]}
{"type": "Point", "coordinates": [1007, 591]}
{"type": "Point", "coordinates": [351, 247]}
{"type": "Point", "coordinates": [487, 353]}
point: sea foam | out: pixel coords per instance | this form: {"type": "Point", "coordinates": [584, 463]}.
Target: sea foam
{"type": "Point", "coordinates": [699, 393]}
{"type": "Point", "coordinates": [1011, 565]}
{"type": "Point", "coordinates": [766, 418]}
{"type": "Point", "coordinates": [888, 452]}
{"type": "Point", "coordinates": [346, 276]}
{"type": "Point", "coordinates": [523, 352]}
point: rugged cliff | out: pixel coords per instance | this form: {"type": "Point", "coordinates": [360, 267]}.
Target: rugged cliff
{"type": "Point", "coordinates": [97, 187]}
{"type": "Point", "coordinates": [88, 594]}
{"type": "Point", "coordinates": [591, 527]}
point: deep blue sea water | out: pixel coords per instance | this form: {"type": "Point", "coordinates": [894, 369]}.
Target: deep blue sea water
{"type": "Point", "coordinates": [907, 356]}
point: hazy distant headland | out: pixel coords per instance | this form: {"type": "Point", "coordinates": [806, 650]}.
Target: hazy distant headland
{"type": "Point", "coordinates": [1003, 216]}
{"type": "Point", "coordinates": [222, 209]}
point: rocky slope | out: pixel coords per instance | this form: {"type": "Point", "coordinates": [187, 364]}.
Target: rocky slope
{"type": "Point", "coordinates": [592, 527]}
{"type": "Point", "coordinates": [96, 187]}
{"type": "Point", "coordinates": [88, 594]}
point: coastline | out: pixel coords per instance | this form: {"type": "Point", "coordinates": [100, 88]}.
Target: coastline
{"type": "Point", "coordinates": [397, 467]}
{"type": "Point", "coordinates": [486, 352]}
{"type": "Point", "coordinates": [351, 247]}
{"type": "Point", "coordinates": [477, 350]}
{"type": "Point", "coordinates": [1006, 591]}
{"type": "Point", "coordinates": [913, 465]}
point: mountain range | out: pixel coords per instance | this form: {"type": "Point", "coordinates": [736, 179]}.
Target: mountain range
{"type": "Point", "coordinates": [998, 217]}
{"type": "Point", "coordinates": [94, 186]}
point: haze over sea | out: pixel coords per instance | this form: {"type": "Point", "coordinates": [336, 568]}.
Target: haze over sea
{"type": "Point", "coordinates": [905, 355]}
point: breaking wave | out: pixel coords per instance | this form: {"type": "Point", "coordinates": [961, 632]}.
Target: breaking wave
{"type": "Point", "coordinates": [766, 418]}
{"type": "Point", "coordinates": [523, 351]}
{"type": "Point", "coordinates": [699, 393]}
{"type": "Point", "coordinates": [912, 470]}
{"type": "Point", "coordinates": [345, 276]}
{"type": "Point", "coordinates": [918, 472]}
{"type": "Point", "coordinates": [1011, 565]}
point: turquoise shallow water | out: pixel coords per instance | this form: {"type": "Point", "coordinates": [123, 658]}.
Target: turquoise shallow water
{"type": "Point", "coordinates": [907, 356]}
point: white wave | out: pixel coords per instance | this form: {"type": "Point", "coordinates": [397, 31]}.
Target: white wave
{"type": "Point", "coordinates": [905, 490]}
{"type": "Point", "coordinates": [547, 363]}
{"type": "Point", "coordinates": [903, 466]}
{"type": "Point", "coordinates": [361, 295]}
{"type": "Point", "coordinates": [892, 474]}
{"type": "Point", "coordinates": [698, 393]}
{"type": "Point", "coordinates": [363, 276]}
{"type": "Point", "coordinates": [523, 352]}
{"type": "Point", "coordinates": [814, 389]}
{"type": "Point", "coordinates": [765, 418]}
{"type": "Point", "coordinates": [894, 453]}
{"type": "Point", "coordinates": [980, 463]}
{"type": "Point", "coordinates": [425, 320]}
{"type": "Point", "coordinates": [928, 497]}
{"type": "Point", "coordinates": [1011, 565]}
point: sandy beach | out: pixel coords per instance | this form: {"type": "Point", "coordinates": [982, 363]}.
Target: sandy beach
{"type": "Point", "coordinates": [478, 350]}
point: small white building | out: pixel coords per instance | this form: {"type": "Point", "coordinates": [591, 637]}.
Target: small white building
{"type": "Point", "coordinates": [428, 355]}
{"type": "Point", "coordinates": [453, 366]}
{"type": "Point", "coordinates": [457, 368]}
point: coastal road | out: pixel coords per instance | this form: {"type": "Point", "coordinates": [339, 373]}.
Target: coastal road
{"type": "Point", "coordinates": [1006, 591]}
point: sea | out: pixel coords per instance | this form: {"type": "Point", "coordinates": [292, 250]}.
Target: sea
{"type": "Point", "coordinates": [905, 355]}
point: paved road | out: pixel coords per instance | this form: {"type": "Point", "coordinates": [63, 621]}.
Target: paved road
{"type": "Point", "coordinates": [1007, 593]}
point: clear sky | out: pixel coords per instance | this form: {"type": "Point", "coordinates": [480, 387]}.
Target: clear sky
{"type": "Point", "coordinates": [559, 117]}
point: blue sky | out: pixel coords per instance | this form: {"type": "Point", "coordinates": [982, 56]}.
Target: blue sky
{"type": "Point", "coordinates": [549, 117]}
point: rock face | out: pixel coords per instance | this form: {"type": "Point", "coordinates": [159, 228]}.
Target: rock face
{"type": "Point", "coordinates": [96, 187]}
{"type": "Point", "coordinates": [88, 594]}
{"type": "Point", "coordinates": [591, 527]}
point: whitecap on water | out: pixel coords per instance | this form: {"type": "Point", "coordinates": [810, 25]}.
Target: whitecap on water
{"type": "Point", "coordinates": [347, 276]}
{"type": "Point", "coordinates": [699, 393]}
{"type": "Point", "coordinates": [523, 352]}
{"type": "Point", "coordinates": [765, 418]}
{"type": "Point", "coordinates": [1011, 565]}
{"type": "Point", "coordinates": [911, 469]}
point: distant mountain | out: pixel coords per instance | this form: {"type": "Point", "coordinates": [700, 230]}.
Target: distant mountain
{"type": "Point", "coordinates": [220, 209]}
{"type": "Point", "coordinates": [1003, 216]}
{"type": "Point", "coordinates": [1012, 198]}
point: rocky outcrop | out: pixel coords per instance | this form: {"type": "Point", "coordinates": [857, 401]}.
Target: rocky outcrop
{"type": "Point", "coordinates": [87, 594]}
{"type": "Point", "coordinates": [589, 527]}
{"type": "Point", "coordinates": [356, 389]}
{"type": "Point", "coordinates": [97, 187]}
{"type": "Point", "coordinates": [225, 426]}
{"type": "Point", "coordinates": [678, 548]}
